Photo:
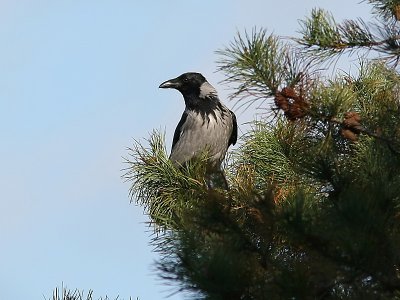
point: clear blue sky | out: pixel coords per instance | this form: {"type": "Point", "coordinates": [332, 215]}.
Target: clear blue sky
{"type": "Point", "coordinates": [78, 82]}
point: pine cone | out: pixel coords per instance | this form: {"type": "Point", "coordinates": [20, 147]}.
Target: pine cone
{"type": "Point", "coordinates": [352, 122]}
{"type": "Point", "coordinates": [281, 102]}
{"type": "Point", "coordinates": [289, 92]}
{"type": "Point", "coordinates": [352, 115]}
{"type": "Point", "coordinates": [348, 134]}
{"type": "Point", "coordinates": [293, 105]}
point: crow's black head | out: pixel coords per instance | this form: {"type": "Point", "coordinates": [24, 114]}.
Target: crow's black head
{"type": "Point", "coordinates": [195, 89]}
{"type": "Point", "coordinates": [188, 84]}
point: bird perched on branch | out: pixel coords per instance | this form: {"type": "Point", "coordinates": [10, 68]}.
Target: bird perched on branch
{"type": "Point", "coordinates": [205, 125]}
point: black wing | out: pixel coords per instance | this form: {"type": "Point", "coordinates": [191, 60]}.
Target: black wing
{"type": "Point", "coordinates": [178, 129]}
{"type": "Point", "coordinates": [233, 137]}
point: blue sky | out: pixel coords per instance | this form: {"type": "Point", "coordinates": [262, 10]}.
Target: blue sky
{"type": "Point", "coordinates": [78, 82]}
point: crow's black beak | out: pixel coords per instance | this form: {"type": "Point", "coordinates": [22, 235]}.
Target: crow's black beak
{"type": "Point", "coordinates": [171, 84]}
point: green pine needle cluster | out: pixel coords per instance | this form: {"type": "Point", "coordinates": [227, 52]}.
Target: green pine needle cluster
{"type": "Point", "coordinates": [323, 37]}
{"type": "Point", "coordinates": [386, 9]}
{"type": "Point", "coordinates": [257, 64]}
{"type": "Point", "coordinates": [157, 185]}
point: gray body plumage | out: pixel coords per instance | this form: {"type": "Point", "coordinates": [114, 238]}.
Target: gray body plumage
{"type": "Point", "coordinates": [206, 124]}
{"type": "Point", "coordinates": [199, 134]}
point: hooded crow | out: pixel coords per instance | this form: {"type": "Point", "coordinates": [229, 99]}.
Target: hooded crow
{"type": "Point", "coordinates": [205, 125]}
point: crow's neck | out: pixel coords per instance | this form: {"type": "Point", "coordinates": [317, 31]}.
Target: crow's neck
{"type": "Point", "coordinates": [205, 105]}
{"type": "Point", "coordinates": [208, 108]}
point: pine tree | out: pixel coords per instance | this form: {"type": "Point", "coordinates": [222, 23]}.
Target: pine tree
{"type": "Point", "coordinates": [313, 210]}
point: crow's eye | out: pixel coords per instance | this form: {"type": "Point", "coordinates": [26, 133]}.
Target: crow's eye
{"type": "Point", "coordinates": [185, 79]}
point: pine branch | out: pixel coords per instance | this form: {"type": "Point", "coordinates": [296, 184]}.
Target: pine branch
{"type": "Point", "coordinates": [342, 103]}
{"type": "Point", "coordinates": [386, 9]}
{"type": "Point", "coordinates": [321, 30]}
{"type": "Point", "coordinates": [258, 64]}
{"type": "Point", "coordinates": [159, 186]}
{"type": "Point", "coordinates": [322, 36]}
